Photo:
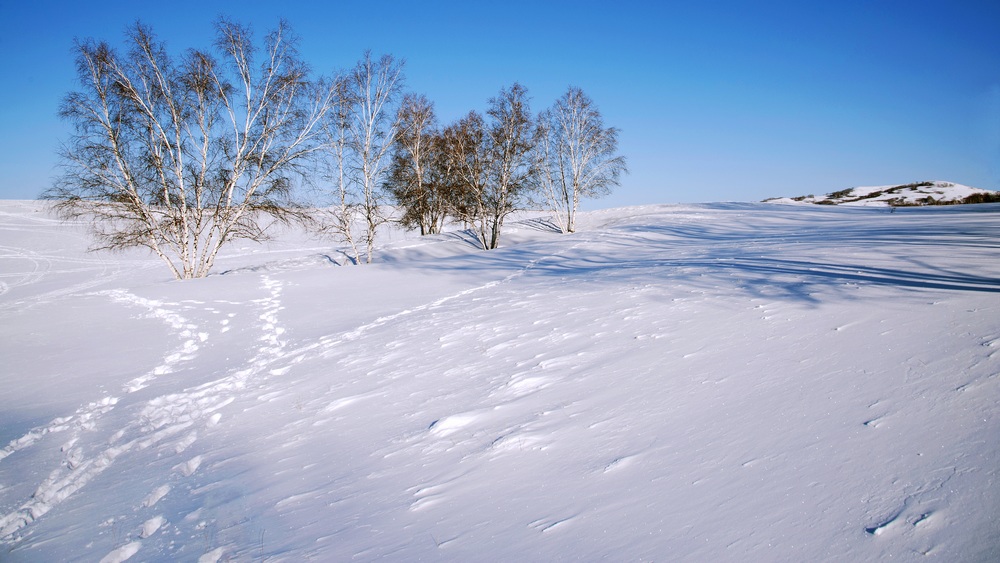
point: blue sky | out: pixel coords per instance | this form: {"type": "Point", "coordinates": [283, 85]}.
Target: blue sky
{"type": "Point", "coordinates": [717, 101]}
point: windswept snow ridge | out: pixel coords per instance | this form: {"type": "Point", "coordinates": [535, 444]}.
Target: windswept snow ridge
{"type": "Point", "coordinates": [724, 382]}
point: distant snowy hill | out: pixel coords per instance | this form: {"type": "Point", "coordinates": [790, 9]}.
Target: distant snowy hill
{"type": "Point", "coordinates": [915, 194]}
{"type": "Point", "coordinates": [716, 382]}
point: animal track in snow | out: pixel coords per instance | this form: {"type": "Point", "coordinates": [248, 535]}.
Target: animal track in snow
{"type": "Point", "coordinates": [155, 496]}
{"type": "Point", "coordinates": [165, 421]}
{"type": "Point", "coordinates": [123, 553]}
{"type": "Point", "coordinates": [212, 556]}
{"type": "Point", "coordinates": [83, 419]}
{"type": "Point", "coordinates": [359, 331]}
{"type": "Point", "coordinates": [151, 526]}
{"type": "Point", "coordinates": [74, 473]}
{"type": "Point", "coordinates": [188, 468]}
{"type": "Point", "coordinates": [179, 325]}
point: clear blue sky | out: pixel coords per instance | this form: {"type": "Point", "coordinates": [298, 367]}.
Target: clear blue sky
{"type": "Point", "coordinates": [716, 101]}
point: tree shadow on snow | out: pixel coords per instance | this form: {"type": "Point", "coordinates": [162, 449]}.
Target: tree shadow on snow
{"type": "Point", "coordinates": [770, 254]}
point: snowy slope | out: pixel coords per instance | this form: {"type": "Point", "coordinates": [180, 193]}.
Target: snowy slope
{"type": "Point", "coordinates": [726, 382]}
{"type": "Point", "coordinates": [917, 193]}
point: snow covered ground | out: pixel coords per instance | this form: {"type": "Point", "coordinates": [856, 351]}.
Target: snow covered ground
{"type": "Point", "coordinates": [719, 382]}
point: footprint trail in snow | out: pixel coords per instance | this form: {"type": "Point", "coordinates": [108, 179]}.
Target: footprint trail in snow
{"type": "Point", "coordinates": [171, 422]}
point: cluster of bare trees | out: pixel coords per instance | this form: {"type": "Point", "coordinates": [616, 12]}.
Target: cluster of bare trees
{"type": "Point", "coordinates": [480, 170]}
{"type": "Point", "coordinates": [184, 155]}
{"type": "Point", "coordinates": [477, 171]}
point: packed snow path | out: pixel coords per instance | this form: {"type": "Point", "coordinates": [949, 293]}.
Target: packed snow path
{"type": "Point", "coordinates": [717, 382]}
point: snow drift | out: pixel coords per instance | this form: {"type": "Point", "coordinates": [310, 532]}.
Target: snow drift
{"type": "Point", "coordinates": [724, 382]}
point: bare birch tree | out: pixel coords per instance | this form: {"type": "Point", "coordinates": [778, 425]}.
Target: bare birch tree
{"type": "Point", "coordinates": [576, 155]}
{"type": "Point", "coordinates": [512, 171]}
{"type": "Point", "coordinates": [373, 87]}
{"type": "Point", "coordinates": [183, 156]}
{"type": "Point", "coordinates": [342, 217]}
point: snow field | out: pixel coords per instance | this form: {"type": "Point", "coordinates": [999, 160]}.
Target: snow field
{"type": "Point", "coordinates": [716, 382]}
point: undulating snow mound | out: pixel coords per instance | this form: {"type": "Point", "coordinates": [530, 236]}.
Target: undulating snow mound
{"type": "Point", "coordinates": [727, 382]}
{"type": "Point", "coordinates": [915, 194]}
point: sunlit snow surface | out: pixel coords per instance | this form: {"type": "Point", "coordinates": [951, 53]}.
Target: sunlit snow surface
{"type": "Point", "coordinates": [728, 382]}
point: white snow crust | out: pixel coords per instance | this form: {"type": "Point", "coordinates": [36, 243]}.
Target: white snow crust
{"type": "Point", "coordinates": [717, 382]}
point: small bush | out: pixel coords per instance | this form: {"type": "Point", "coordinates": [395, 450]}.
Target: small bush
{"type": "Point", "coordinates": [982, 197]}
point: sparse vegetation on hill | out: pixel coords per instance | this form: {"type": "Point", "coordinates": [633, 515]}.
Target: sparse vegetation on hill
{"type": "Point", "coordinates": [904, 195]}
